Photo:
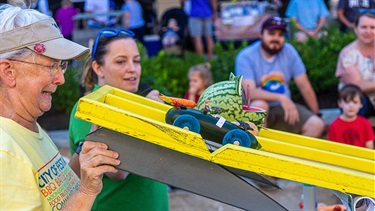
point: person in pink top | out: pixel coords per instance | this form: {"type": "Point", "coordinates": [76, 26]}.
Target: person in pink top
{"type": "Point", "coordinates": [356, 61]}
{"type": "Point", "coordinates": [64, 17]}
{"type": "Point", "coordinates": [349, 128]}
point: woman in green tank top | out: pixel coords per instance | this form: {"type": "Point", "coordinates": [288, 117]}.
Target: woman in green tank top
{"type": "Point", "coordinates": [115, 61]}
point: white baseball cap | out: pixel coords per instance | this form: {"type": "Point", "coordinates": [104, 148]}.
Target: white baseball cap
{"type": "Point", "coordinates": [43, 37]}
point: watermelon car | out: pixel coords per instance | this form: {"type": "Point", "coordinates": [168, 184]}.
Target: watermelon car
{"type": "Point", "coordinates": [210, 127]}
{"type": "Point", "coordinates": [230, 96]}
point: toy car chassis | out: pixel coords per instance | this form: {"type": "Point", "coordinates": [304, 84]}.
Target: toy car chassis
{"type": "Point", "coordinates": [211, 128]}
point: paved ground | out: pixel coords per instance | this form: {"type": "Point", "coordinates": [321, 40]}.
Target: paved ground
{"type": "Point", "coordinates": [289, 196]}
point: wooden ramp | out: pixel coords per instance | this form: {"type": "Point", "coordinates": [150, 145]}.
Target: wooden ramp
{"type": "Point", "coordinates": [311, 161]}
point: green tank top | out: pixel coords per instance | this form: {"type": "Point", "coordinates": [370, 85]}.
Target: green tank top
{"type": "Point", "coordinates": [133, 193]}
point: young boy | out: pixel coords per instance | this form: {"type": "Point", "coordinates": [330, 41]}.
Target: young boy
{"type": "Point", "coordinates": [350, 128]}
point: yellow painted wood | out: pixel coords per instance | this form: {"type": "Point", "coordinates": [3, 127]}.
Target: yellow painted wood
{"type": "Point", "coordinates": [315, 143]}
{"type": "Point", "coordinates": [300, 170]}
{"type": "Point", "coordinates": [284, 155]}
{"type": "Point", "coordinates": [337, 159]}
{"type": "Point", "coordinates": [142, 108]}
{"type": "Point", "coordinates": [100, 94]}
{"type": "Point", "coordinates": [143, 128]}
{"type": "Point", "coordinates": [142, 100]}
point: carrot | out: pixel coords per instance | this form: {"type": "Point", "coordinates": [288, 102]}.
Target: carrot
{"type": "Point", "coordinates": [166, 99]}
{"type": "Point", "coordinates": [175, 101]}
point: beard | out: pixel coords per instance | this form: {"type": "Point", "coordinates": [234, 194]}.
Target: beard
{"type": "Point", "coordinates": [271, 51]}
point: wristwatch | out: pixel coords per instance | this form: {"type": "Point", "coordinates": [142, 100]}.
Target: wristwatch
{"type": "Point", "coordinates": [79, 148]}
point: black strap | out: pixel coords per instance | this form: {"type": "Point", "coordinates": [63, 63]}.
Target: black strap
{"type": "Point", "coordinates": [79, 148]}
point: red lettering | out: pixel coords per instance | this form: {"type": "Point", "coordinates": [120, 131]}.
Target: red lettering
{"type": "Point", "coordinates": [53, 186]}
{"type": "Point", "coordinates": [58, 182]}
{"type": "Point", "coordinates": [45, 193]}
{"type": "Point", "coordinates": [48, 188]}
{"type": "Point", "coordinates": [64, 193]}
{"type": "Point", "coordinates": [54, 201]}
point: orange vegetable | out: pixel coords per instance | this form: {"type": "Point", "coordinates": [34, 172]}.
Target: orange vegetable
{"type": "Point", "coordinates": [175, 101]}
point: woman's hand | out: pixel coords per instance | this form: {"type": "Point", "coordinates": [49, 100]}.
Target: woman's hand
{"type": "Point", "coordinates": [154, 95]}
{"type": "Point", "coordinates": [95, 159]}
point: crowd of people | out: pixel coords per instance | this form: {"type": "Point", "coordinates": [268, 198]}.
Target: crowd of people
{"type": "Point", "coordinates": [268, 66]}
{"type": "Point", "coordinates": [308, 16]}
{"type": "Point", "coordinates": [90, 180]}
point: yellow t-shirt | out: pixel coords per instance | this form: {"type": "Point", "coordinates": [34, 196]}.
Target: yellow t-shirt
{"type": "Point", "coordinates": [34, 176]}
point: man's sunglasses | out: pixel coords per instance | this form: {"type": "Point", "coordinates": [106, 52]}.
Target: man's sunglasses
{"type": "Point", "coordinates": [109, 33]}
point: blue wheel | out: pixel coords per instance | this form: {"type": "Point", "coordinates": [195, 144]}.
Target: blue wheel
{"type": "Point", "coordinates": [237, 137]}
{"type": "Point", "coordinates": [188, 122]}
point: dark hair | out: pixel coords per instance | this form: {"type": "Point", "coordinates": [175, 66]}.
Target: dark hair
{"type": "Point", "coordinates": [349, 92]}
{"type": "Point", "coordinates": [356, 20]}
{"type": "Point", "coordinates": [102, 49]}
{"type": "Point", "coordinates": [89, 77]}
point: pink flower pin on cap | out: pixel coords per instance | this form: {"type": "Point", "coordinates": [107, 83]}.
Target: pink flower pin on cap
{"type": "Point", "coordinates": [39, 48]}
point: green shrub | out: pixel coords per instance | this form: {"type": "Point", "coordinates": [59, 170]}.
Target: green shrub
{"type": "Point", "coordinates": [320, 59]}
{"type": "Point", "coordinates": [168, 73]}
{"type": "Point", "coordinates": [223, 62]}
{"type": "Point", "coordinates": [142, 50]}
{"type": "Point", "coordinates": [67, 94]}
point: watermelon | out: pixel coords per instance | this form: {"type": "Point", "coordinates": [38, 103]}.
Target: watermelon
{"type": "Point", "coordinates": [228, 95]}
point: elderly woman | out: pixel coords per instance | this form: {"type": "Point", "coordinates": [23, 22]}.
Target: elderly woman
{"type": "Point", "coordinates": [34, 176]}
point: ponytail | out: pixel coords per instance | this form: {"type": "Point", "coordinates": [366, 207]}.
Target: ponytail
{"type": "Point", "coordinates": [89, 77]}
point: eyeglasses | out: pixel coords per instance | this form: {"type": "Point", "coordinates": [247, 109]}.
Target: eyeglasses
{"type": "Point", "coordinates": [109, 33]}
{"type": "Point", "coordinates": [53, 68]}
{"type": "Point", "coordinates": [365, 11]}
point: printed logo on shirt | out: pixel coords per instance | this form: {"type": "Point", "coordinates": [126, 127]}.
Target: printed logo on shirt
{"type": "Point", "coordinates": [350, 136]}
{"type": "Point", "coordinates": [57, 182]}
{"type": "Point", "coordinates": [273, 82]}
{"type": "Point", "coordinates": [359, 3]}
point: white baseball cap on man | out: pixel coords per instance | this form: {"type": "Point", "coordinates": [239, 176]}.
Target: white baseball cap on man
{"type": "Point", "coordinates": [43, 37]}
